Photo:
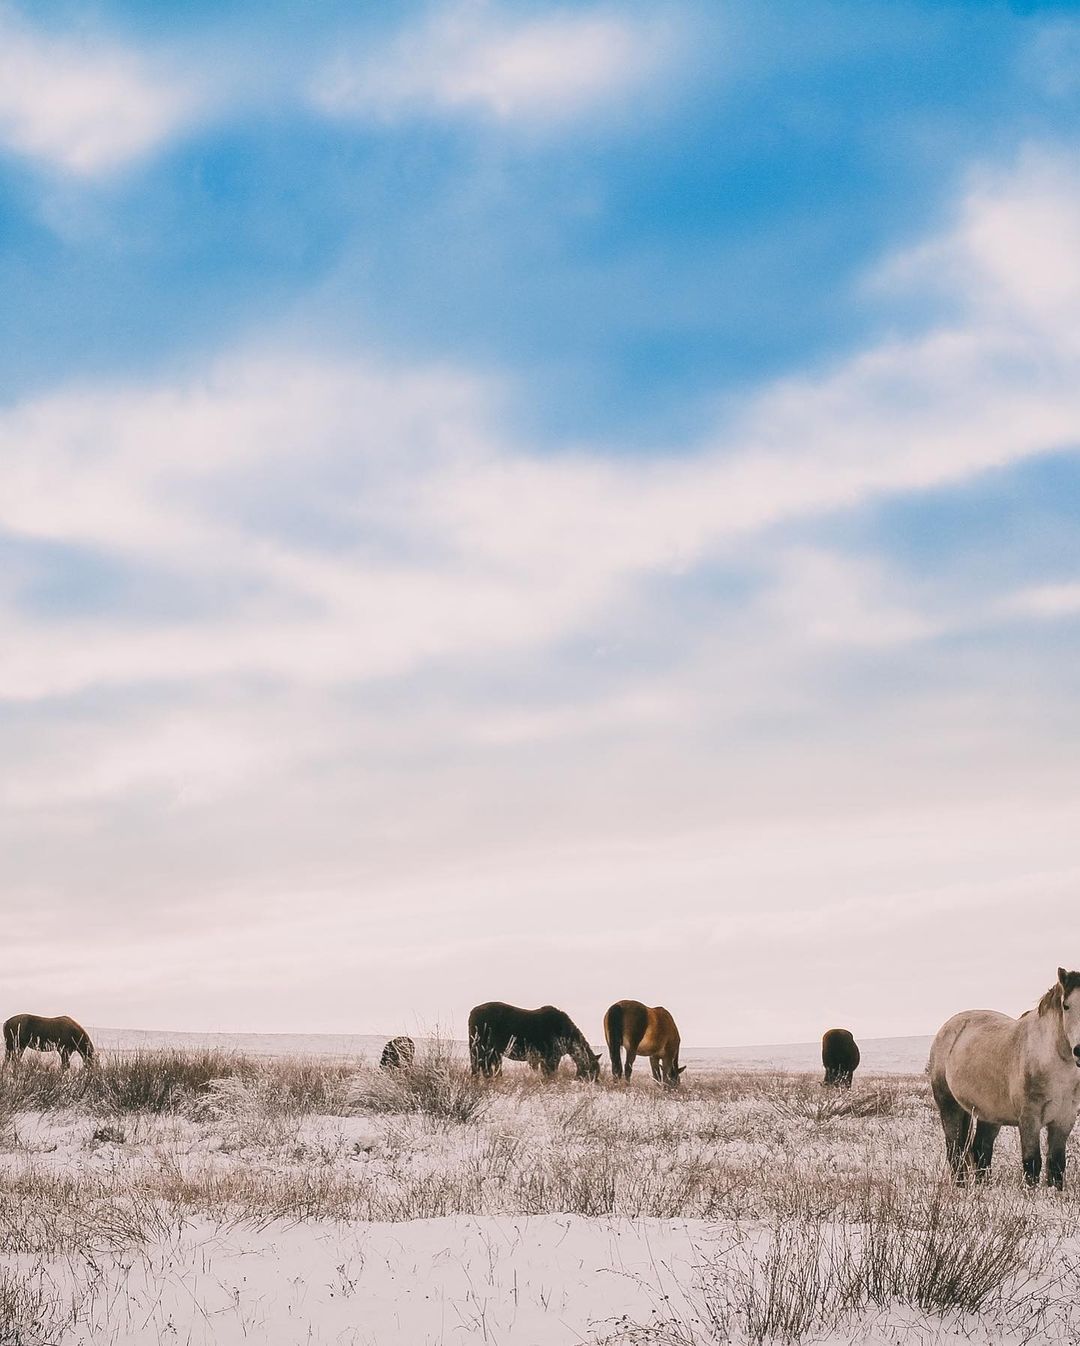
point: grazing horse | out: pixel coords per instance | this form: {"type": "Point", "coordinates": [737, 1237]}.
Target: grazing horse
{"type": "Point", "coordinates": [45, 1035]}
{"type": "Point", "coordinates": [643, 1031]}
{"type": "Point", "coordinates": [398, 1054]}
{"type": "Point", "coordinates": [542, 1037]}
{"type": "Point", "coordinates": [994, 1071]}
{"type": "Point", "coordinates": [839, 1056]}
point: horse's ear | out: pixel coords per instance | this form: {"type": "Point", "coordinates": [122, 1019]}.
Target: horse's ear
{"type": "Point", "coordinates": [1063, 978]}
{"type": "Point", "coordinates": [681, 1069]}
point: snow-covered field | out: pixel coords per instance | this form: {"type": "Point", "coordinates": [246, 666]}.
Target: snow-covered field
{"type": "Point", "coordinates": [207, 1197]}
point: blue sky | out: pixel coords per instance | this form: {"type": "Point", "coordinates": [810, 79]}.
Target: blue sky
{"type": "Point", "coordinates": [543, 502]}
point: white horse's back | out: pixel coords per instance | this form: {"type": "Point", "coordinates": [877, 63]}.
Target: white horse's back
{"type": "Point", "coordinates": [978, 1055]}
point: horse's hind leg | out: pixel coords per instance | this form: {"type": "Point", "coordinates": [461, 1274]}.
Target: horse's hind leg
{"type": "Point", "coordinates": [982, 1149]}
{"type": "Point", "coordinates": [1030, 1129]}
{"type": "Point", "coordinates": [1056, 1136]}
{"type": "Point", "coordinates": [956, 1123]}
{"type": "Point", "coordinates": [631, 1057]}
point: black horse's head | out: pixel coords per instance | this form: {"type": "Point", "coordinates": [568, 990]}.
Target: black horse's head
{"type": "Point", "coordinates": [588, 1063]}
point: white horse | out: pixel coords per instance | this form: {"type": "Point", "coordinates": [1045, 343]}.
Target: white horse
{"type": "Point", "coordinates": [995, 1071]}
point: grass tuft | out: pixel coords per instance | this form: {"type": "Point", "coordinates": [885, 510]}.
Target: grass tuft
{"type": "Point", "coordinates": [437, 1086]}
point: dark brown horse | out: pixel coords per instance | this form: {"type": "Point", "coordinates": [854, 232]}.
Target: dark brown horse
{"type": "Point", "coordinates": [61, 1034]}
{"type": "Point", "coordinates": [398, 1054]}
{"type": "Point", "coordinates": [642, 1030]}
{"type": "Point", "coordinates": [542, 1037]}
{"type": "Point", "coordinates": [839, 1056]}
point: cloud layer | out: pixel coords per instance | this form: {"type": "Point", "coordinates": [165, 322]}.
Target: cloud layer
{"type": "Point", "coordinates": [327, 663]}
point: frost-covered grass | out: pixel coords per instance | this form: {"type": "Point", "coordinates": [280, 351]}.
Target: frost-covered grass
{"type": "Point", "coordinates": [743, 1206]}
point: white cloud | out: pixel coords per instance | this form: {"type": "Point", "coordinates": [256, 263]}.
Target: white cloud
{"type": "Point", "coordinates": [456, 545]}
{"type": "Point", "coordinates": [1012, 255]}
{"type": "Point", "coordinates": [1046, 601]}
{"type": "Point", "coordinates": [85, 107]}
{"type": "Point", "coordinates": [477, 58]}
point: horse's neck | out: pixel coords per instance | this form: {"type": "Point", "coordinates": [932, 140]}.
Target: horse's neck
{"type": "Point", "coordinates": [577, 1048]}
{"type": "Point", "coordinates": [1047, 1036]}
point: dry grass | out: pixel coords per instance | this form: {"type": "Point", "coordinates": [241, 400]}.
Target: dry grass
{"type": "Point", "coordinates": [170, 1081]}
{"type": "Point", "coordinates": [435, 1086]}
{"type": "Point", "coordinates": [831, 1202]}
{"type": "Point", "coordinates": [931, 1249]}
{"type": "Point", "coordinates": [31, 1313]}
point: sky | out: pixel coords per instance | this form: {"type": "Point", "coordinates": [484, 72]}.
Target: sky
{"type": "Point", "coordinates": [541, 502]}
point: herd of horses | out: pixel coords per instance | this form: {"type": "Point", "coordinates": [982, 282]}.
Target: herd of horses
{"type": "Point", "coordinates": [987, 1070]}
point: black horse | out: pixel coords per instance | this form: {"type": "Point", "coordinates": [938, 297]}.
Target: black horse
{"type": "Point", "coordinates": [61, 1034]}
{"type": "Point", "coordinates": [542, 1037]}
{"type": "Point", "coordinates": [839, 1056]}
{"type": "Point", "coordinates": [398, 1054]}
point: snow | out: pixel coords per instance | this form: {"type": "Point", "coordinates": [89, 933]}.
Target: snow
{"type": "Point", "coordinates": [551, 1279]}
{"type": "Point", "coordinates": [217, 1264]}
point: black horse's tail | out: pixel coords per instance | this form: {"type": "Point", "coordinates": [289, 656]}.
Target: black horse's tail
{"type": "Point", "coordinates": [613, 1023]}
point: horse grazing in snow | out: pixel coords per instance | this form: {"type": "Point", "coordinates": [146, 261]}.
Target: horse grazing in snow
{"type": "Point", "coordinates": [61, 1034]}
{"type": "Point", "coordinates": [398, 1054]}
{"type": "Point", "coordinates": [839, 1056]}
{"type": "Point", "coordinates": [640, 1030]}
{"type": "Point", "coordinates": [542, 1037]}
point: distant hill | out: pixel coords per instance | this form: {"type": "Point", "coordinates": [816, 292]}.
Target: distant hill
{"type": "Point", "coordinates": [894, 1056]}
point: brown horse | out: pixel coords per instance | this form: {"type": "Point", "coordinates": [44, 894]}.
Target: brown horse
{"type": "Point", "coordinates": [839, 1056]}
{"type": "Point", "coordinates": [61, 1034]}
{"type": "Point", "coordinates": [643, 1031]}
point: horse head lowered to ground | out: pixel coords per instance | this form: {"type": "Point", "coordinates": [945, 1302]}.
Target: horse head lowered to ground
{"type": "Point", "coordinates": [542, 1037]}
{"type": "Point", "coordinates": [988, 1071]}
{"type": "Point", "coordinates": [61, 1034]}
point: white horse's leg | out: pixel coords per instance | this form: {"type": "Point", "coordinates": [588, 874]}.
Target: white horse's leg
{"type": "Point", "coordinates": [956, 1124]}
{"type": "Point", "coordinates": [982, 1149]}
{"type": "Point", "coordinates": [1030, 1127]}
{"type": "Point", "coordinates": [1057, 1133]}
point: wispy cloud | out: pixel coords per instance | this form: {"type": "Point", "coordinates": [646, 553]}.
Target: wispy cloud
{"type": "Point", "coordinates": [450, 541]}
{"type": "Point", "coordinates": [478, 58]}
{"type": "Point", "coordinates": [86, 106]}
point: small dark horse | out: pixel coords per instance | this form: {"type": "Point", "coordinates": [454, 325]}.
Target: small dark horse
{"type": "Point", "coordinates": [542, 1037]}
{"type": "Point", "coordinates": [839, 1056]}
{"type": "Point", "coordinates": [45, 1035]}
{"type": "Point", "coordinates": [398, 1054]}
